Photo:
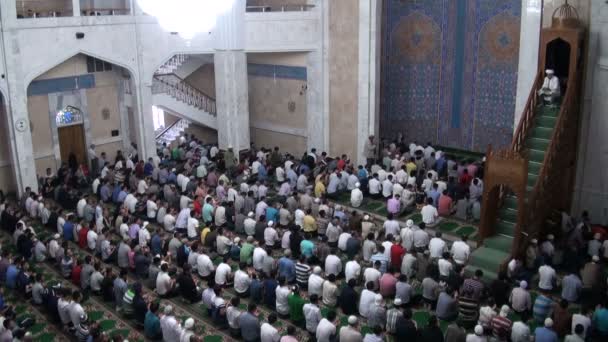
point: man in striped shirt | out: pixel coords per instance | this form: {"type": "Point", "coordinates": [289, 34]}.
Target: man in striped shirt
{"type": "Point", "coordinates": [542, 308]}
{"type": "Point", "coordinates": [303, 271]}
{"type": "Point", "coordinates": [475, 285]}
{"type": "Point", "coordinates": [392, 315]}
{"type": "Point", "coordinates": [501, 325]}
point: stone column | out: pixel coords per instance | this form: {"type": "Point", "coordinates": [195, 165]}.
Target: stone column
{"type": "Point", "coordinates": [370, 12]}
{"type": "Point", "coordinates": [76, 7]}
{"type": "Point", "coordinates": [22, 149]}
{"type": "Point", "coordinates": [531, 11]}
{"type": "Point", "coordinates": [231, 82]}
{"type": "Point", "coordinates": [146, 141]}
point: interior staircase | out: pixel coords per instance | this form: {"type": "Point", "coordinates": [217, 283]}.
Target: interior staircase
{"type": "Point", "coordinates": [178, 97]}
{"type": "Point", "coordinates": [172, 132]}
{"type": "Point", "coordinates": [522, 182]}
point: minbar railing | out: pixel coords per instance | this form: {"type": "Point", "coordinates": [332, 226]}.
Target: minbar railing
{"type": "Point", "coordinates": [526, 122]}
{"type": "Point", "coordinates": [180, 90]}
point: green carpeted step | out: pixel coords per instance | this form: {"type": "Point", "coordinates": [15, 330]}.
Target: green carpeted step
{"type": "Point", "coordinates": [537, 144]}
{"type": "Point", "coordinates": [546, 121]}
{"type": "Point", "coordinates": [510, 202]}
{"type": "Point", "coordinates": [499, 242]}
{"type": "Point", "coordinates": [542, 133]}
{"type": "Point", "coordinates": [504, 227]}
{"type": "Point", "coordinates": [536, 155]}
{"type": "Point", "coordinates": [548, 111]}
{"type": "Point", "coordinates": [534, 167]}
{"type": "Point", "coordinates": [488, 258]}
{"type": "Point", "coordinates": [532, 178]}
{"type": "Point", "coordinates": [507, 214]}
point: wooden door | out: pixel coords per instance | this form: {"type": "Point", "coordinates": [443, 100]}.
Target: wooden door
{"type": "Point", "coordinates": [71, 140]}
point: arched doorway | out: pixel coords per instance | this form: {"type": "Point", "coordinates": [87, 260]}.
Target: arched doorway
{"type": "Point", "coordinates": [77, 108]}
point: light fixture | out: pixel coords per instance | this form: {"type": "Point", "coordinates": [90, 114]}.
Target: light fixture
{"type": "Point", "coordinates": [187, 17]}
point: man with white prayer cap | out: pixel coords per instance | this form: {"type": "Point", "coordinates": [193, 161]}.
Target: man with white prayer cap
{"type": "Point", "coordinates": [550, 90]}
{"type": "Point", "coordinates": [356, 196]}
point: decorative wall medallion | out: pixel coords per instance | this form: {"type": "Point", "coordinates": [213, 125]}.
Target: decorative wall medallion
{"type": "Point", "coordinates": [105, 114]}
{"type": "Point", "coordinates": [291, 106]}
{"type": "Point", "coordinates": [68, 116]}
{"type": "Point", "coordinates": [21, 125]}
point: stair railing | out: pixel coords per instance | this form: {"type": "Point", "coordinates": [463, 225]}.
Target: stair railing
{"type": "Point", "coordinates": [526, 122]}
{"type": "Point", "coordinates": [547, 186]}
{"type": "Point", "coordinates": [182, 91]}
{"type": "Point", "coordinates": [172, 64]}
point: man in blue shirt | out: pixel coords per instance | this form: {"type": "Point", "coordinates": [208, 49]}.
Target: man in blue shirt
{"type": "Point", "coordinates": [434, 194]}
{"type": "Point", "coordinates": [68, 229]}
{"type": "Point", "coordinates": [116, 192]}
{"type": "Point", "coordinates": [546, 333]}
{"type": "Point", "coordinates": [12, 273]}
{"type": "Point", "coordinates": [152, 323]}
{"type": "Point", "coordinates": [272, 214]}
{"type": "Point", "coordinates": [287, 268]}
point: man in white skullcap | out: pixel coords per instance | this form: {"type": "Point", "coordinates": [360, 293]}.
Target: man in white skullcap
{"type": "Point", "coordinates": [546, 333]}
{"type": "Point", "coordinates": [351, 331]}
{"type": "Point", "coordinates": [520, 298]}
{"type": "Point", "coordinates": [169, 325]}
{"type": "Point", "coordinates": [477, 336]}
{"type": "Point", "coordinates": [188, 330]}
{"type": "Point", "coordinates": [356, 196]}
{"type": "Point", "coordinates": [550, 90]}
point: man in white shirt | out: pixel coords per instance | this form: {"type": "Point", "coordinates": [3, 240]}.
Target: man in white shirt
{"type": "Point", "coordinates": [315, 282]}
{"type": "Point", "coordinates": [151, 207]}
{"type": "Point", "coordinates": [91, 240]}
{"type": "Point", "coordinates": [130, 202]}
{"type": "Point", "coordinates": [550, 90]}
{"type": "Point", "coordinates": [368, 296]}
{"type": "Point", "coordinates": [547, 277]}
{"type": "Point", "coordinates": [259, 254]}
{"type": "Point", "coordinates": [169, 221]}
{"type": "Point", "coordinates": [282, 292]}
{"type": "Point", "coordinates": [437, 246]}
{"type": "Point", "coordinates": [144, 235]}
{"type": "Point", "coordinates": [356, 196]}
{"type": "Point", "coordinates": [223, 273]}
{"type": "Point", "coordinates": [352, 270]}
{"type": "Point", "coordinates": [429, 213]}
{"type": "Point", "coordinates": [79, 206]}
{"type": "Point", "coordinates": [249, 224]}
{"type": "Point", "coordinates": [326, 330]}
{"type": "Point", "coordinates": [391, 226]}
{"type": "Point", "coordinates": [421, 238]}
{"type": "Point", "coordinates": [333, 264]}
{"type": "Point", "coordinates": [268, 333]}
{"type": "Point", "coordinates": [461, 251]}
{"type": "Point", "coordinates": [192, 226]}
{"type": "Point", "coordinates": [170, 327]}
{"type": "Point", "coordinates": [387, 187]}
{"type": "Point", "coordinates": [271, 237]}
{"type": "Point", "coordinates": [204, 265]}
{"type": "Point", "coordinates": [374, 187]}
{"type": "Point", "coordinates": [312, 314]}
{"type": "Point", "coordinates": [372, 275]}
{"type": "Point", "coordinates": [142, 186]}
{"type": "Point", "coordinates": [242, 280]}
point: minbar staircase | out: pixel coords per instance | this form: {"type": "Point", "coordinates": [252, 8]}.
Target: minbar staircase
{"type": "Point", "coordinates": [526, 182]}
{"type": "Point", "coordinates": [167, 135]}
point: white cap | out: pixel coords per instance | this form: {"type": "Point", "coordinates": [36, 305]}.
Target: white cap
{"type": "Point", "coordinates": [250, 214]}
{"type": "Point", "coordinates": [504, 311]}
{"type": "Point", "coordinates": [352, 320]}
{"type": "Point", "coordinates": [378, 299]}
{"type": "Point", "coordinates": [317, 270]}
{"type": "Point", "coordinates": [397, 301]}
{"type": "Point", "coordinates": [237, 239]}
{"type": "Point", "coordinates": [548, 323]}
{"type": "Point", "coordinates": [550, 237]}
{"type": "Point", "coordinates": [168, 310]}
{"type": "Point", "coordinates": [366, 217]}
{"type": "Point", "coordinates": [317, 200]}
{"type": "Point", "coordinates": [523, 284]}
{"type": "Point", "coordinates": [534, 241]}
{"type": "Point", "coordinates": [56, 236]}
{"type": "Point", "coordinates": [270, 223]}
{"type": "Point", "coordinates": [173, 170]}
{"type": "Point", "coordinates": [478, 330]}
{"type": "Point", "coordinates": [146, 223]}
{"type": "Point", "coordinates": [409, 223]}
{"type": "Point", "coordinates": [189, 324]}
{"type": "Point", "coordinates": [595, 258]}
{"type": "Point", "coordinates": [549, 71]}
{"type": "Point", "coordinates": [357, 184]}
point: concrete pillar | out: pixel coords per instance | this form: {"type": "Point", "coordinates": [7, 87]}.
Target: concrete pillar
{"type": "Point", "coordinates": [146, 143]}
{"type": "Point", "coordinates": [531, 12]}
{"type": "Point", "coordinates": [232, 96]}
{"type": "Point", "coordinates": [368, 107]}
{"type": "Point", "coordinates": [21, 143]}
{"type": "Point", "coordinates": [76, 7]}
{"type": "Point", "coordinates": [231, 82]}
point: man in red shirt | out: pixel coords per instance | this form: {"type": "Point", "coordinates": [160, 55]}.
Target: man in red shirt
{"type": "Point", "coordinates": [466, 178]}
{"type": "Point", "coordinates": [444, 206]}
{"type": "Point", "coordinates": [388, 284]}
{"type": "Point", "coordinates": [397, 253]}
{"type": "Point", "coordinates": [82, 236]}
